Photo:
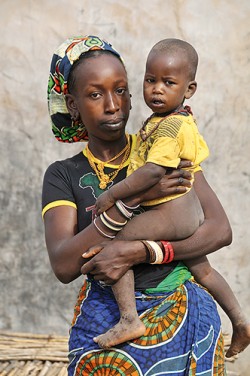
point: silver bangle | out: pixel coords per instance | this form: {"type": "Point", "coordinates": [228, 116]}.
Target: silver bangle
{"type": "Point", "coordinates": [123, 210]}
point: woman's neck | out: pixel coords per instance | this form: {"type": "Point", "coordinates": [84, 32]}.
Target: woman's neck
{"type": "Point", "coordinates": [106, 150]}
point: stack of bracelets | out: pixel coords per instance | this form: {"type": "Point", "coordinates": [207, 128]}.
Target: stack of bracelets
{"type": "Point", "coordinates": [159, 254]}
{"type": "Point", "coordinates": [156, 254]}
{"type": "Point", "coordinates": [125, 210]}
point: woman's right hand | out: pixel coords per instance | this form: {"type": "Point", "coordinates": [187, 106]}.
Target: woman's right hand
{"type": "Point", "coordinates": [175, 181]}
{"type": "Point", "coordinates": [113, 259]}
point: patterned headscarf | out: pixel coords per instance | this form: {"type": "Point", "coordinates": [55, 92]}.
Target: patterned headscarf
{"type": "Point", "coordinates": [64, 128]}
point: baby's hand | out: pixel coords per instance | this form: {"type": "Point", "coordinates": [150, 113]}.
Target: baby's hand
{"type": "Point", "coordinates": [104, 202]}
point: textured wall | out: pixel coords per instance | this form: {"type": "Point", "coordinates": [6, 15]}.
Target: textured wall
{"type": "Point", "coordinates": [31, 299]}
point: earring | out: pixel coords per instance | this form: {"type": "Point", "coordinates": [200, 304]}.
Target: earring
{"type": "Point", "coordinates": [130, 101]}
{"type": "Point", "coordinates": [75, 116]}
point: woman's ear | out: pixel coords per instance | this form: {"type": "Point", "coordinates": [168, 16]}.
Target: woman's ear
{"type": "Point", "coordinates": [71, 106]}
{"type": "Point", "coordinates": [192, 86]}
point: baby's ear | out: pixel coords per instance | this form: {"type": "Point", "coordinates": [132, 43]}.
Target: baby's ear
{"type": "Point", "coordinates": [192, 86]}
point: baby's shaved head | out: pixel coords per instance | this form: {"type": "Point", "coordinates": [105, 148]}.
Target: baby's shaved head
{"type": "Point", "coordinates": [177, 46]}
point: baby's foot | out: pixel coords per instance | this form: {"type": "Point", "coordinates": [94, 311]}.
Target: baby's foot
{"type": "Point", "coordinates": [126, 329]}
{"type": "Point", "coordinates": [240, 339]}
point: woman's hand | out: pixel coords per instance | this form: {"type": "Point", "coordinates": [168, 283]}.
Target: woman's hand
{"type": "Point", "coordinates": [175, 181]}
{"type": "Point", "coordinates": [113, 259]}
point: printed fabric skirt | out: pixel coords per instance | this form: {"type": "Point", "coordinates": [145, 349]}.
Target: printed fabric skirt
{"type": "Point", "coordinates": [183, 335]}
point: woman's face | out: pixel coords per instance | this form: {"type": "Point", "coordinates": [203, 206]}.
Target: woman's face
{"type": "Point", "coordinates": [101, 96]}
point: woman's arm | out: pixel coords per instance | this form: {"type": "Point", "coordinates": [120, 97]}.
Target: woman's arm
{"type": "Point", "coordinates": [66, 246]}
{"type": "Point", "coordinates": [213, 234]}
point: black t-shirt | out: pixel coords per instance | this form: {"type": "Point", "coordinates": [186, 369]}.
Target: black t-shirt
{"type": "Point", "coordinates": [73, 182]}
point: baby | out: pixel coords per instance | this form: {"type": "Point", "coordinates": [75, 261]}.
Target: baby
{"type": "Point", "coordinates": [167, 136]}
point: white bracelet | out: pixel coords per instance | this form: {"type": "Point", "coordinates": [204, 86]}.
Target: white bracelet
{"type": "Point", "coordinates": [102, 232]}
{"type": "Point", "coordinates": [108, 225]}
{"type": "Point", "coordinates": [158, 252]}
{"type": "Point", "coordinates": [112, 221]}
{"type": "Point", "coordinates": [130, 207]}
{"type": "Point", "coordinates": [123, 210]}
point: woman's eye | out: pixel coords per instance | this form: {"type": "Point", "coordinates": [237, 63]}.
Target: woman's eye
{"type": "Point", "coordinates": [95, 95]}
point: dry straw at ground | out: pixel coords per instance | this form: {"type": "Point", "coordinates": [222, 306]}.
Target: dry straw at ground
{"type": "Point", "coordinates": [26, 354]}
{"type": "Point", "coordinates": [23, 354]}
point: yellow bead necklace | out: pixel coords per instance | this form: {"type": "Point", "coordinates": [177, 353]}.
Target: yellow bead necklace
{"type": "Point", "coordinates": [99, 166]}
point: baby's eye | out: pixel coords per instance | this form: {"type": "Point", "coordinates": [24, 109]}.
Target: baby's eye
{"type": "Point", "coordinates": [169, 82]}
{"type": "Point", "coordinates": [149, 80]}
{"type": "Point", "coordinates": [121, 90]}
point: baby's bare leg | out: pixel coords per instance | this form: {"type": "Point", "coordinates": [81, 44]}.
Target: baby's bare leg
{"type": "Point", "coordinates": [221, 291]}
{"type": "Point", "coordinates": [172, 220]}
{"type": "Point", "coordinates": [130, 326]}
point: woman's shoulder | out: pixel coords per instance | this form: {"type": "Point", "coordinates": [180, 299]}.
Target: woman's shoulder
{"type": "Point", "coordinates": [61, 179]}
{"type": "Point", "coordinates": [65, 164]}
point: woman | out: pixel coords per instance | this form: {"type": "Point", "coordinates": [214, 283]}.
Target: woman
{"type": "Point", "coordinates": [89, 99]}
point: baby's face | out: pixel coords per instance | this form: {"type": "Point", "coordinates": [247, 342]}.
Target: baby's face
{"type": "Point", "coordinates": [166, 82]}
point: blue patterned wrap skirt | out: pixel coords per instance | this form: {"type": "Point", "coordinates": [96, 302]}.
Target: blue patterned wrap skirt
{"type": "Point", "coordinates": [183, 334]}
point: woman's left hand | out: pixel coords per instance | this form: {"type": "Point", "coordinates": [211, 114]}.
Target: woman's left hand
{"type": "Point", "coordinates": [111, 260]}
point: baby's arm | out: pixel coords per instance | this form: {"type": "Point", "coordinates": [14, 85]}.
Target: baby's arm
{"type": "Point", "coordinates": [223, 294]}
{"type": "Point", "coordinates": [140, 180]}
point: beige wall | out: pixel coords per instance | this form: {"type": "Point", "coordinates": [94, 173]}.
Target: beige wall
{"type": "Point", "coordinates": [31, 299]}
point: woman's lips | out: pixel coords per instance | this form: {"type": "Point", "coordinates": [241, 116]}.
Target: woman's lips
{"type": "Point", "coordinates": [113, 124]}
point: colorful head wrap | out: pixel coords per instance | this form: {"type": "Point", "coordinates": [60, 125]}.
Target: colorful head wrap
{"type": "Point", "coordinates": [64, 128]}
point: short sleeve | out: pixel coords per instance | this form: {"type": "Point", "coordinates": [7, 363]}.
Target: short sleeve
{"type": "Point", "coordinates": [57, 187]}
{"type": "Point", "coordinates": [197, 168]}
